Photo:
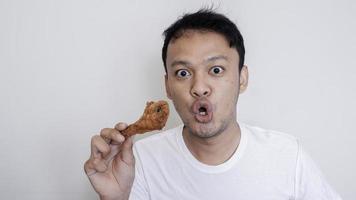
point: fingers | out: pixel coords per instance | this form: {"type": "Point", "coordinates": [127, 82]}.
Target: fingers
{"type": "Point", "coordinates": [127, 151]}
{"type": "Point", "coordinates": [99, 150]}
{"type": "Point", "coordinates": [99, 165]}
{"type": "Point", "coordinates": [105, 146]}
{"type": "Point", "coordinates": [94, 165]}
{"type": "Point", "coordinates": [89, 168]}
{"type": "Point", "coordinates": [99, 147]}
{"type": "Point", "coordinates": [121, 126]}
{"type": "Point", "coordinates": [112, 136]}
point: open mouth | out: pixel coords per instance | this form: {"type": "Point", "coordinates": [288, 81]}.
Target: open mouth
{"type": "Point", "coordinates": [202, 111]}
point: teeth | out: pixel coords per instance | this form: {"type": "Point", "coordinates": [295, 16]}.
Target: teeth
{"type": "Point", "coordinates": [202, 113]}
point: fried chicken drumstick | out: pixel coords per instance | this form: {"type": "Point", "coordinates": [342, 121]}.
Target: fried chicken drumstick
{"type": "Point", "coordinates": [154, 117]}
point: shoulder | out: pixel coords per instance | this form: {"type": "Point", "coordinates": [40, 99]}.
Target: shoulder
{"type": "Point", "coordinates": [159, 142]}
{"type": "Point", "coordinates": [270, 139]}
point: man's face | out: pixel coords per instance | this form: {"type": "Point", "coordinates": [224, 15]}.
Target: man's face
{"type": "Point", "coordinates": [203, 81]}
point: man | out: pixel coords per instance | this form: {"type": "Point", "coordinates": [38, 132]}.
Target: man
{"type": "Point", "coordinates": [210, 156]}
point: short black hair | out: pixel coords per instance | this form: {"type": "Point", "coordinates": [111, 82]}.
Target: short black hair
{"type": "Point", "coordinates": [205, 20]}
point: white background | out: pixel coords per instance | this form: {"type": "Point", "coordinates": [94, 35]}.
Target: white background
{"type": "Point", "coordinates": [71, 67]}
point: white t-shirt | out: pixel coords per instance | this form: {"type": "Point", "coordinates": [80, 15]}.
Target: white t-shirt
{"type": "Point", "coordinates": [266, 165]}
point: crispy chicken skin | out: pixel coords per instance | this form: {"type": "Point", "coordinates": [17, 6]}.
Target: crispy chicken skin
{"type": "Point", "coordinates": [154, 118]}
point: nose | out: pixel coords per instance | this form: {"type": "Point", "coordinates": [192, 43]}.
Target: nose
{"type": "Point", "coordinates": [200, 88]}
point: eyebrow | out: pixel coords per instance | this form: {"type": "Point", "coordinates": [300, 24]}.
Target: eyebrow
{"type": "Point", "coordinates": [180, 62]}
{"type": "Point", "coordinates": [219, 57]}
{"type": "Point", "coordinates": [210, 59]}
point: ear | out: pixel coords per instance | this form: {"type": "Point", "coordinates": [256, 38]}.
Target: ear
{"type": "Point", "coordinates": [168, 91]}
{"type": "Point", "coordinates": [243, 79]}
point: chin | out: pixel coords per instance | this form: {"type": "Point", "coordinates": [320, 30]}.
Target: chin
{"type": "Point", "coordinates": [205, 130]}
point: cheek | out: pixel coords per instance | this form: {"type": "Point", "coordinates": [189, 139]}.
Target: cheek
{"type": "Point", "coordinates": [180, 97]}
{"type": "Point", "coordinates": [227, 93]}
{"type": "Point", "coordinates": [227, 87]}
{"type": "Point", "coordinates": [176, 96]}
{"type": "Point", "coordinates": [178, 91]}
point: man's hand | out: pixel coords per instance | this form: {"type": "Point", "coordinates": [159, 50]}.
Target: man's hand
{"type": "Point", "coordinates": [111, 166]}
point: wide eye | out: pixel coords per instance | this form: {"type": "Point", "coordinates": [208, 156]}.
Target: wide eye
{"type": "Point", "coordinates": [182, 73]}
{"type": "Point", "coordinates": [216, 70]}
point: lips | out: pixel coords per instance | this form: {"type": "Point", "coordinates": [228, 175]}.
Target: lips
{"type": "Point", "coordinates": [202, 110]}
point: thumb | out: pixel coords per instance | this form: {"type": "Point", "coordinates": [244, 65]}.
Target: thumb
{"type": "Point", "coordinates": [121, 126]}
{"type": "Point", "coordinates": [127, 151]}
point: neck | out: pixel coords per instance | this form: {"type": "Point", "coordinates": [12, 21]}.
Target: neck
{"type": "Point", "coordinates": [217, 149]}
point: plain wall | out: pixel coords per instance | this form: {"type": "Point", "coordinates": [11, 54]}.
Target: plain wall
{"type": "Point", "coordinates": [69, 68]}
